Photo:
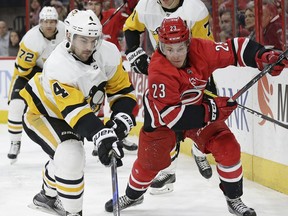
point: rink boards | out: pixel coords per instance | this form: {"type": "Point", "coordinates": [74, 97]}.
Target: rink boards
{"type": "Point", "coordinates": [263, 144]}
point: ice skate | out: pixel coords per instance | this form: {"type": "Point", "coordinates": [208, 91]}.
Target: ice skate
{"type": "Point", "coordinates": [49, 204]}
{"type": "Point", "coordinates": [202, 163]}
{"type": "Point", "coordinates": [163, 183]}
{"type": "Point", "coordinates": [95, 152]}
{"type": "Point", "coordinates": [128, 145]}
{"type": "Point", "coordinates": [14, 151]}
{"type": "Point", "coordinates": [124, 202]}
{"type": "Point", "coordinates": [237, 207]}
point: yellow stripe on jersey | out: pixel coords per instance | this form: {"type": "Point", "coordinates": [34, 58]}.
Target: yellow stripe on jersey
{"type": "Point", "coordinates": [44, 99]}
{"type": "Point", "coordinates": [25, 61]}
{"type": "Point", "coordinates": [29, 100]}
{"type": "Point", "coordinates": [70, 101]}
{"type": "Point", "coordinates": [47, 181]}
{"type": "Point", "coordinates": [201, 29]}
{"type": "Point", "coordinates": [132, 23]}
{"type": "Point", "coordinates": [42, 129]}
{"type": "Point", "coordinates": [117, 83]}
{"type": "Point", "coordinates": [71, 190]}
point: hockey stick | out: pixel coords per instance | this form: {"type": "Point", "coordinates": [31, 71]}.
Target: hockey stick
{"type": "Point", "coordinates": [115, 12]}
{"type": "Point", "coordinates": [259, 76]}
{"type": "Point", "coordinates": [115, 193]}
{"type": "Point", "coordinates": [256, 113]}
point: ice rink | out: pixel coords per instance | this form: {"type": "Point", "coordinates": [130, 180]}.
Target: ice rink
{"type": "Point", "coordinates": [193, 195]}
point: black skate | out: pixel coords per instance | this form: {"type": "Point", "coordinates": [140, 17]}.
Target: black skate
{"type": "Point", "coordinates": [14, 150]}
{"type": "Point", "coordinates": [52, 204]}
{"type": "Point", "coordinates": [203, 166]}
{"type": "Point", "coordinates": [237, 207]}
{"type": "Point", "coordinates": [128, 145]}
{"type": "Point", "coordinates": [124, 202]}
{"type": "Point", "coordinates": [74, 214]}
{"type": "Point", "coordinates": [163, 183]}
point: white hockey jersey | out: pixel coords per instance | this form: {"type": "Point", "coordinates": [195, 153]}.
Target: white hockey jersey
{"type": "Point", "coordinates": [69, 89]}
{"type": "Point", "coordinates": [35, 48]}
{"type": "Point", "coordinates": [148, 14]}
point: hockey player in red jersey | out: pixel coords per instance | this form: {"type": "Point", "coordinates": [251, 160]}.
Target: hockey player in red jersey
{"type": "Point", "coordinates": [175, 109]}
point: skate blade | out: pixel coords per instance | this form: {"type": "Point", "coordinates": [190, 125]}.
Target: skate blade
{"type": "Point", "coordinates": [13, 161]}
{"type": "Point", "coordinates": [42, 209]}
{"type": "Point", "coordinates": [168, 188]}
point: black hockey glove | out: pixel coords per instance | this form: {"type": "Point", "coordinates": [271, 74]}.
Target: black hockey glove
{"type": "Point", "coordinates": [121, 123]}
{"type": "Point", "coordinates": [218, 109]}
{"type": "Point", "coordinates": [138, 60]}
{"type": "Point", "coordinates": [107, 142]}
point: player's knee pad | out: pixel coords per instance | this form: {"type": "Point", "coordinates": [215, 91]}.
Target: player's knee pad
{"type": "Point", "coordinates": [16, 110]}
{"type": "Point", "coordinates": [69, 159]}
{"type": "Point", "coordinates": [226, 149]}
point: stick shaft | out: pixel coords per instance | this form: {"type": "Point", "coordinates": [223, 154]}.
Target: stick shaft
{"type": "Point", "coordinates": [115, 12]}
{"type": "Point", "coordinates": [254, 112]}
{"type": "Point", "coordinates": [259, 76]}
{"type": "Point", "coordinates": [115, 193]}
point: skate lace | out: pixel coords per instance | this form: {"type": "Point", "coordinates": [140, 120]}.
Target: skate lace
{"type": "Point", "coordinates": [238, 205]}
{"type": "Point", "coordinates": [124, 201]}
{"type": "Point", "coordinates": [58, 204]}
{"type": "Point", "coordinates": [15, 147]}
{"type": "Point", "coordinates": [163, 176]}
{"type": "Point", "coordinates": [202, 162]}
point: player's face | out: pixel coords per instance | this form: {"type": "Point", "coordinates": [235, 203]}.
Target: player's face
{"type": "Point", "coordinates": [95, 6]}
{"type": "Point", "coordinates": [176, 53]}
{"type": "Point", "coordinates": [83, 46]}
{"type": "Point", "coordinates": [48, 27]}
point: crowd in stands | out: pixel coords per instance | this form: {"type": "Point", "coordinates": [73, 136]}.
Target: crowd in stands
{"type": "Point", "coordinates": [244, 21]}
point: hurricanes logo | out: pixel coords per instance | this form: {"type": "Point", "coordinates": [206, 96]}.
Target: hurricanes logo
{"type": "Point", "coordinates": [265, 91]}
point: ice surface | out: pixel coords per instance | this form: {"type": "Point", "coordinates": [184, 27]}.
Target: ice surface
{"type": "Point", "coordinates": [193, 195]}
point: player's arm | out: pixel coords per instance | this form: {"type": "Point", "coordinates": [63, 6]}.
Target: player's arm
{"type": "Point", "coordinates": [136, 56]}
{"type": "Point", "coordinates": [25, 65]}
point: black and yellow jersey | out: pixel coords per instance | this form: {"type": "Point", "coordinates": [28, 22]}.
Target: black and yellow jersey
{"type": "Point", "coordinates": [148, 14]}
{"type": "Point", "coordinates": [71, 90]}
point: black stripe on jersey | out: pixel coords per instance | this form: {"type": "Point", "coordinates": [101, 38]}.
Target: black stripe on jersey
{"type": "Point", "coordinates": [70, 108]}
{"type": "Point", "coordinates": [70, 196]}
{"type": "Point", "coordinates": [234, 52]}
{"type": "Point", "coordinates": [124, 104]}
{"type": "Point", "coordinates": [250, 53]}
{"type": "Point", "coordinates": [192, 117]}
{"type": "Point", "coordinates": [88, 126]}
{"type": "Point", "coordinates": [47, 174]}
{"type": "Point", "coordinates": [14, 132]}
{"type": "Point", "coordinates": [123, 91]}
{"type": "Point", "coordinates": [21, 68]}
{"type": "Point", "coordinates": [36, 100]}
{"type": "Point", "coordinates": [69, 182]}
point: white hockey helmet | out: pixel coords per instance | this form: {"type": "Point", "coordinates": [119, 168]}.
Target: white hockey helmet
{"type": "Point", "coordinates": [84, 23]}
{"type": "Point", "coordinates": [48, 13]}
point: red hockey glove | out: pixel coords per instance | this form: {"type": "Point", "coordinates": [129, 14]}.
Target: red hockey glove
{"type": "Point", "coordinates": [218, 109]}
{"type": "Point", "coordinates": [264, 57]}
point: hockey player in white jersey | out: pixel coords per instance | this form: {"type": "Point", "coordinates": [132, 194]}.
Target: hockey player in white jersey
{"type": "Point", "coordinates": [62, 102]}
{"type": "Point", "coordinates": [148, 15]}
{"type": "Point", "coordinates": [35, 47]}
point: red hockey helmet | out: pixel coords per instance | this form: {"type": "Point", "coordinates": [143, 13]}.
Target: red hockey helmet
{"type": "Point", "coordinates": [173, 30]}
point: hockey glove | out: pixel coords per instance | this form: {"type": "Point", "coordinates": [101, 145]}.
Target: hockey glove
{"type": "Point", "coordinates": [265, 57]}
{"type": "Point", "coordinates": [122, 123]}
{"type": "Point", "coordinates": [107, 142]}
{"type": "Point", "coordinates": [138, 60]}
{"type": "Point", "coordinates": [218, 109]}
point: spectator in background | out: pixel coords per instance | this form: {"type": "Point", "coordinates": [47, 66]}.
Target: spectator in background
{"type": "Point", "coordinates": [272, 25]}
{"type": "Point", "coordinates": [4, 38]}
{"type": "Point", "coordinates": [225, 25]}
{"type": "Point", "coordinates": [35, 8]}
{"type": "Point", "coordinates": [14, 39]}
{"type": "Point", "coordinates": [250, 20]}
{"type": "Point", "coordinates": [61, 9]}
